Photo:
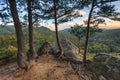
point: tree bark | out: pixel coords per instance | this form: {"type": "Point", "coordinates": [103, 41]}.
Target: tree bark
{"type": "Point", "coordinates": [88, 33]}
{"type": "Point", "coordinates": [21, 60]}
{"type": "Point", "coordinates": [31, 53]}
{"type": "Point", "coordinates": [56, 27]}
{"type": "Point", "coordinates": [79, 44]}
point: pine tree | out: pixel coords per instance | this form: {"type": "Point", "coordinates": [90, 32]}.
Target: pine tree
{"type": "Point", "coordinates": [21, 60]}
{"type": "Point", "coordinates": [105, 10]}
{"type": "Point", "coordinates": [80, 30]}
{"type": "Point", "coordinates": [31, 53]}
{"type": "Point", "coordinates": [62, 11]}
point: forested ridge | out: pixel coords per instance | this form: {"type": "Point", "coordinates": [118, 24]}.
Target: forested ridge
{"type": "Point", "coordinates": [108, 39]}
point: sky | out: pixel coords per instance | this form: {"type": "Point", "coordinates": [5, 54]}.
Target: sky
{"type": "Point", "coordinates": [109, 25]}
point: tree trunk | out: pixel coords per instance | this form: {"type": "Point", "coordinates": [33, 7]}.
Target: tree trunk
{"type": "Point", "coordinates": [79, 44]}
{"type": "Point", "coordinates": [31, 53]}
{"type": "Point", "coordinates": [21, 60]}
{"type": "Point", "coordinates": [56, 27]}
{"type": "Point", "coordinates": [88, 33]}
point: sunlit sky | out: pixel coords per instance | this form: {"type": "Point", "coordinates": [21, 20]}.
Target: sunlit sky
{"type": "Point", "coordinates": [110, 23]}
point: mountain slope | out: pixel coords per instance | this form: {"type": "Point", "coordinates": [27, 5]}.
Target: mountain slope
{"type": "Point", "coordinates": [6, 30]}
{"type": "Point", "coordinates": [65, 30]}
{"type": "Point", "coordinates": [108, 38]}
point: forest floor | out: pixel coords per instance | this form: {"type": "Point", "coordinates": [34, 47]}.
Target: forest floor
{"type": "Point", "coordinates": [48, 68]}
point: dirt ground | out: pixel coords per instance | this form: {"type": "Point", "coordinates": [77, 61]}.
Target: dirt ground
{"type": "Point", "coordinates": [48, 68]}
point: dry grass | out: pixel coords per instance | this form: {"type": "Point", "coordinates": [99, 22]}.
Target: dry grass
{"type": "Point", "coordinates": [48, 68]}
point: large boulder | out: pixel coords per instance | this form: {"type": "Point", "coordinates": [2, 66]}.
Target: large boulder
{"type": "Point", "coordinates": [44, 49]}
{"type": "Point", "coordinates": [69, 49]}
{"type": "Point", "coordinates": [107, 66]}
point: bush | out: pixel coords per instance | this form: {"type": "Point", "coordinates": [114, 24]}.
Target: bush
{"type": "Point", "coordinates": [12, 49]}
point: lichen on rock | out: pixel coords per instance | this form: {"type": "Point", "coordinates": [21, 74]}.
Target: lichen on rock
{"type": "Point", "coordinates": [107, 66]}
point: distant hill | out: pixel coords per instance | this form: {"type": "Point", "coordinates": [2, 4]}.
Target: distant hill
{"type": "Point", "coordinates": [110, 38]}
{"type": "Point", "coordinates": [65, 30]}
{"type": "Point", "coordinates": [5, 30]}
{"type": "Point", "coordinates": [109, 34]}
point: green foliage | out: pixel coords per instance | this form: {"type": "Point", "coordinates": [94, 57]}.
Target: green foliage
{"type": "Point", "coordinates": [104, 9]}
{"type": "Point", "coordinates": [3, 51]}
{"type": "Point", "coordinates": [80, 31]}
{"type": "Point", "coordinates": [7, 56]}
{"type": "Point", "coordinates": [8, 39]}
{"type": "Point", "coordinates": [12, 49]}
{"type": "Point", "coordinates": [7, 30]}
{"type": "Point", "coordinates": [106, 41]}
{"type": "Point", "coordinates": [116, 54]}
{"type": "Point", "coordinates": [90, 56]}
{"type": "Point", "coordinates": [111, 38]}
{"type": "Point", "coordinates": [8, 48]}
{"type": "Point", "coordinates": [108, 10]}
{"type": "Point", "coordinates": [65, 9]}
{"type": "Point", "coordinates": [96, 47]}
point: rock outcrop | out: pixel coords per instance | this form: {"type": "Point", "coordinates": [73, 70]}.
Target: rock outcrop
{"type": "Point", "coordinates": [69, 49]}
{"type": "Point", "coordinates": [44, 49]}
{"type": "Point", "coordinates": [107, 66]}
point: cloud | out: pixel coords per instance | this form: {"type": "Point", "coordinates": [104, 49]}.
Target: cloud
{"type": "Point", "coordinates": [114, 24]}
{"type": "Point", "coordinates": [110, 24]}
{"type": "Point", "coordinates": [78, 13]}
{"type": "Point", "coordinates": [60, 26]}
{"type": "Point", "coordinates": [82, 13]}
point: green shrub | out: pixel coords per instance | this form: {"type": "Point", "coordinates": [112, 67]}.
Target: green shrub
{"type": "Point", "coordinates": [12, 49]}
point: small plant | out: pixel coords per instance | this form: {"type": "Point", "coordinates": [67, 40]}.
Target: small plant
{"type": "Point", "coordinates": [12, 49]}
